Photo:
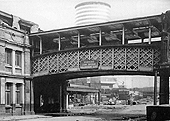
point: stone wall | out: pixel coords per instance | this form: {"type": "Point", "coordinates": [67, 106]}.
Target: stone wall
{"type": "Point", "coordinates": [16, 41]}
{"type": "Point", "coordinates": [2, 57]}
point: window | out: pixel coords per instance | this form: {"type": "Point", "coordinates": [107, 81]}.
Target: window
{"type": "Point", "coordinates": [8, 56]}
{"type": "Point", "coordinates": [8, 94]}
{"type": "Point", "coordinates": [18, 58]}
{"type": "Point", "coordinates": [18, 93]}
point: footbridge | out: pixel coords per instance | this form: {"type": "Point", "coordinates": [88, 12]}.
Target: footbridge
{"type": "Point", "coordinates": [138, 46]}
{"type": "Point", "coordinates": [102, 60]}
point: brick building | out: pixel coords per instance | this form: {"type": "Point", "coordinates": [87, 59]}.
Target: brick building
{"type": "Point", "coordinates": [16, 94]}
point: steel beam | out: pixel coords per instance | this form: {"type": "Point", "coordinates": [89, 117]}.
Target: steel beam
{"type": "Point", "coordinates": [100, 37]}
{"type": "Point", "coordinates": [78, 40]}
{"type": "Point", "coordinates": [150, 35]}
{"type": "Point", "coordinates": [59, 43]}
{"type": "Point", "coordinates": [123, 35]}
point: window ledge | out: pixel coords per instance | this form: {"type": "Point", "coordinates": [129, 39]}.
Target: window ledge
{"type": "Point", "coordinates": [18, 67]}
{"type": "Point", "coordinates": [18, 106]}
{"type": "Point", "coordinates": [8, 106]}
{"type": "Point", "coordinates": [8, 66]}
{"type": "Point", "coordinates": [18, 74]}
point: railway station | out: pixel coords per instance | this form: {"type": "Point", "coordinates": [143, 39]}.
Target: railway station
{"type": "Point", "coordinates": [36, 65]}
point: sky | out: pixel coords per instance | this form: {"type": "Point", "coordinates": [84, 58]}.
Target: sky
{"type": "Point", "coordinates": [133, 81]}
{"type": "Point", "coordinates": [56, 14]}
{"type": "Point", "coordinates": [136, 81]}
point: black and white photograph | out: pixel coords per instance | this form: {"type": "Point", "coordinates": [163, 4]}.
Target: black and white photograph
{"type": "Point", "coordinates": [84, 60]}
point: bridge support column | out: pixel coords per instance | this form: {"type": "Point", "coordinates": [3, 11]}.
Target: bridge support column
{"type": "Point", "coordinates": [64, 96]}
{"type": "Point", "coordinates": [164, 88]}
{"type": "Point", "coordinates": [36, 97]}
{"type": "Point", "coordinates": [165, 59]}
{"type": "Point", "coordinates": [155, 88]}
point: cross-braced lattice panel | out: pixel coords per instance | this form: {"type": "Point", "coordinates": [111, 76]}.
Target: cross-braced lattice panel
{"type": "Point", "coordinates": [156, 56]}
{"type": "Point", "coordinates": [119, 59]}
{"type": "Point", "coordinates": [95, 54]}
{"type": "Point", "coordinates": [35, 66]}
{"type": "Point", "coordinates": [43, 64]}
{"type": "Point", "coordinates": [73, 59]}
{"type": "Point", "coordinates": [146, 57]}
{"type": "Point", "coordinates": [106, 57]}
{"type": "Point", "coordinates": [84, 55]}
{"type": "Point", "coordinates": [132, 58]}
{"type": "Point", "coordinates": [53, 63]}
{"type": "Point", "coordinates": [63, 62]}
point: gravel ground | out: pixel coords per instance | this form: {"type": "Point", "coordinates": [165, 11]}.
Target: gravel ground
{"type": "Point", "coordinates": [115, 112]}
{"type": "Point", "coordinates": [91, 113]}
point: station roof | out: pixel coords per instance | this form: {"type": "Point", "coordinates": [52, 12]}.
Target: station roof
{"type": "Point", "coordinates": [135, 28]}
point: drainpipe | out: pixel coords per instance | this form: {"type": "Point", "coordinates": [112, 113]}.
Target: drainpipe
{"type": "Point", "coordinates": [30, 96]}
{"type": "Point", "coordinates": [24, 95]}
{"type": "Point", "coordinates": [24, 75]}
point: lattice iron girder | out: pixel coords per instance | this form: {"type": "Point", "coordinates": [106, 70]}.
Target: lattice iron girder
{"type": "Point", "coordinates": [119, 58]}
{"type": "Point", "coordinates": [35, 64]}
{"type": "Point", "coordinates": [63, 63]}
{"type": "Point", "coordinates": [43, 64]}
{"type": "Point", "coordinates": [146, 57]}
{"type": "Point", "coordinates": [84, 55]}
{"type": "Point", "coordinates": [53, 63]}
{"type": "Point", "coordinates": [73, 59]}
{"type": "Point", "coordinates": [95, 54]}
{"type": "Point", "coordinates": [132, 58]}
{"type": "Point", "coordinates": [156, 56]}
{"type": "Point", "coordinates": [106, 57]}
{"type": "Point", "coordinates": [116, 58]}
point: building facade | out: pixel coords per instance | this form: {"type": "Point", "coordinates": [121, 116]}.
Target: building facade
{"type": "Point", "coordinates": [16, 94]}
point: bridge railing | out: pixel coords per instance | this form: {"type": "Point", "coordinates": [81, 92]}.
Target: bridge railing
{"type": "Point", "coordinates": [125, 58]}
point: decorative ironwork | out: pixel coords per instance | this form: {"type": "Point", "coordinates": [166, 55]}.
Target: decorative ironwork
{"type": "Point", "coordinates": [84, 55]}
{"type": "Point", "coordinates": [156, 56]}
{"type": "Point", "coordinates": [95, 54]}
{"type": "Point", "coordinates": [115, 58]}
{"type": "Point", "coordinates": [119, 58]}
{"type": "Point", "coordinates": [53, 63]}
{"type": "Point", "coordinates": [146, 59]}
{"type": "Point", "coordinates": [35, 68]}
{"type": "Point", "coordinates": [132, 58]}
{"type": "Point", "coordinates": [62, 62]}
{"type": "Point", "coordinates": [43, 64]}
{"type": "Point", "coordinates": [72, 60]}
{"type": "Point", "coordinates": [106, 58]}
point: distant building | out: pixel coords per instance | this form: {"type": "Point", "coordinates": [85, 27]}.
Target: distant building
{"type": "Point", "coordinates": [106, 84]}
{"type": "Point", "coordinates": [92, 12]}
{"type": "Point", "coordinates": [123, 93]}
{"type": "Point", "coordinates": [81, 95]}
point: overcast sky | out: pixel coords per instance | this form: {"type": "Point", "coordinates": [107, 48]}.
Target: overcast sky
{"type": "Point", "coordinates": [55, 14]}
